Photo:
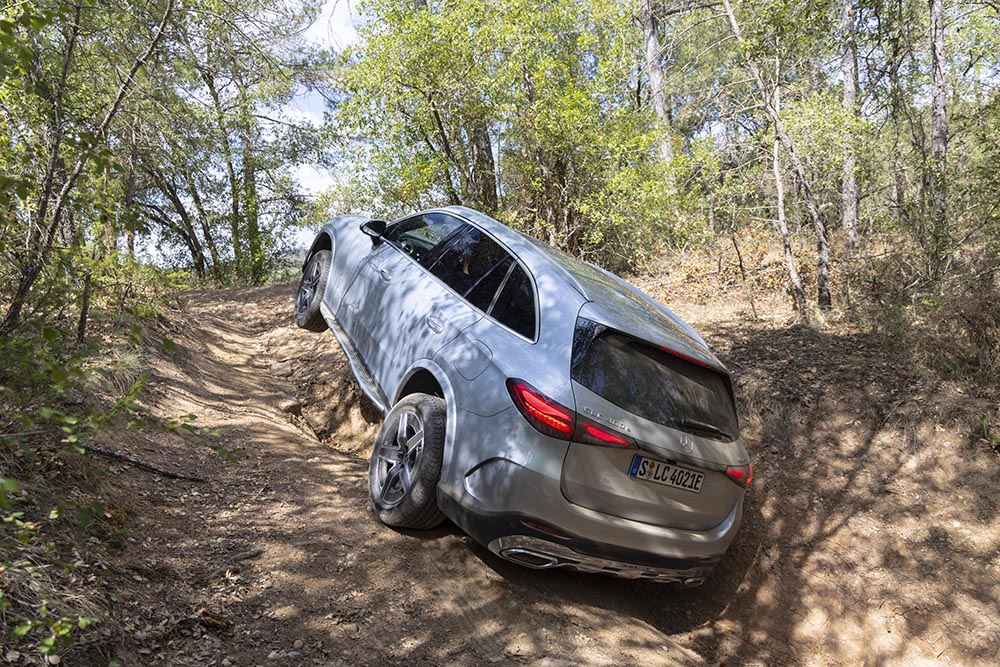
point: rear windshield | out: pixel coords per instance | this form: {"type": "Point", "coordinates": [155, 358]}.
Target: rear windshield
{"type": "Point", "coordinates": [652, 383]}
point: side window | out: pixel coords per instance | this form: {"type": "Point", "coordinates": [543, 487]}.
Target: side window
{"type": "Point", "coordinates": [481, 294]}
{"type": "Point", "coordinates": [473, 265]}
{"type": "Point", "coordinates": [421, 235]}
{"type": "Point", "coordinates": [515, 305]}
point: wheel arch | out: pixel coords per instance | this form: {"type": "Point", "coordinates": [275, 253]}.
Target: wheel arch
{"type": "Point", "coordinates": [427, 374]}
{"type": "Point", "coordinates": [323, 241]}
{"type": "Point", "coordinates": [420, 380]}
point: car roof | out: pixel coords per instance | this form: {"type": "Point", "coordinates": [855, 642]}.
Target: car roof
{"type": "Point", "coordinates": [612, 300]}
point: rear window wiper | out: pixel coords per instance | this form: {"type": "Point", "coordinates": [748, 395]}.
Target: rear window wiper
{"type": "Point", "coordinates": [702, 426]}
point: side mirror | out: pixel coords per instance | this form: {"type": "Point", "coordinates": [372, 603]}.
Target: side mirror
{"type": "Point", "coordinates": [375, 229]}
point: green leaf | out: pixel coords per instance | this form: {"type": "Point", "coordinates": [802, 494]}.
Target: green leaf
{"type": "Point", "coordinates": [47, 645]}
{"type": "Point", "coordinates": [50, 335]}
{"type": "Point", "coordinates": [224, 453]}
{"type": "Point", "coordinates": [87, 515]}
{"type": "Point", "coordinates": [7, 486]}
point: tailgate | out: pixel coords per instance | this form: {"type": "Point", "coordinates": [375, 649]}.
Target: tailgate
{"type": "Point", "coordinates": [700, 495]}
{"type": "Point", "coordinates": [680, 413]}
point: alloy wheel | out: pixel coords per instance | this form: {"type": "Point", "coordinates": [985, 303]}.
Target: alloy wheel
{"type": "Point", "coordinates": [398, 458]}
{"type": "Point", "coordinates": [307, 287]}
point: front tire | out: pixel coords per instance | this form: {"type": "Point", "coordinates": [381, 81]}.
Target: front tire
{"type": "Point", "coordinates": [310, 292]}
{"type": "Point", "coordinates": [406, 463]}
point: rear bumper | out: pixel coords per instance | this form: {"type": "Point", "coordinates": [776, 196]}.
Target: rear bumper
{"type": "Point", "coordinates": [520, 481]}
{"type": "Point", "coordinates": [543, 554]}
{"type": "Point", "coordinates": [516, 538]}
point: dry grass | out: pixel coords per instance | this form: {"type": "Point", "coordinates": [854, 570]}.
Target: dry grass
{"type": "Point", "coordinates": [115, 370]}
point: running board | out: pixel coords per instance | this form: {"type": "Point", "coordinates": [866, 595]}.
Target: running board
{"type": "Point", "coordinates": [364, 376]}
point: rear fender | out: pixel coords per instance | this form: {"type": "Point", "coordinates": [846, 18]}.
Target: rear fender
{"type": "Point", "coordinates": [451, 418]}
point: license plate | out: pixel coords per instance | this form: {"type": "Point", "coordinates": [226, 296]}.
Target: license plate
{"type": "Point", "coordinates": [666, 474]}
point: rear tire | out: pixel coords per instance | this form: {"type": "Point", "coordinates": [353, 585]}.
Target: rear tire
{"type": "Point", "coordinates": [406, 463]}
{"type": "Point", "coordinates": [310, 292]}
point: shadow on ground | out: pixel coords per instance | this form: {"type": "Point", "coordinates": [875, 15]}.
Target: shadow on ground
{"type": "Point", "coordinates": [870, 536]}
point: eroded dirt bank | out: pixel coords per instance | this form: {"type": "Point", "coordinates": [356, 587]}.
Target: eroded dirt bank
{"type": "Point", "coordinates": [870, 538]}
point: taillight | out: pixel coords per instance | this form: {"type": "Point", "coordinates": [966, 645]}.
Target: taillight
{"type": "Point", "coordinates": [558, 421]}
{"type": "Point", "coordinates": [742, 475]}
{"type": "Point", "coordinates": [541, 412]}
{"type": "Point", "coordinates": [545, 528]}
{"type": "Point", "coordinates": [595, 435]}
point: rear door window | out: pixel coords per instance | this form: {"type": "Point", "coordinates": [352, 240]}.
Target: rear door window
{"type": "Point", "coordinates": [486, 275]}
{"type": "Point", "coordinates": [515, 304]}
{"type": "Point", "coordinates": [481, 294]}
{"type": "Point", "coordinates": [652, 383]}
{"type": "Point", "coordinates": [473, 265]}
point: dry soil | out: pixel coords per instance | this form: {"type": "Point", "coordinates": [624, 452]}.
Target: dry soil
{"type": "Point", "coordinates": [870, 535]}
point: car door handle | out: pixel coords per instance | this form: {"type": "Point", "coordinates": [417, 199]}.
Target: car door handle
{"type": "Point", "coordinates": [385, 275]}
{"type": "Point", "coordinates": [436, 325]}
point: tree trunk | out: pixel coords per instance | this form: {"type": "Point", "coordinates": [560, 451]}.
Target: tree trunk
{"type": "Point", "coordinates": [743, 276]}
{"type": "Point", "coordinates": [483, 179]}
{"type": "Point", "coordinates": [898, 194]}
{"type": "Point", "coordinates": [772, 103]}
{"type": "Point", "coordinates": [186, 228]}
{"type": "Point", "coordinates": [251, 195]}
{"type": "Point", "coordinates": [206, 229]}
{"type": "Point", "coordinates": [782, 224]}
{"type": "Point", "coordinates": [657, 86]}
{"type": "Point", "coordinates": [131, 183]}
{"type": "Point", "coordinates": [184, 231]}
{"type": "Point", "coordinates": [236, 218]}
{"type": "Point", "coordinates": [81, 325]}
{"type": "Point", "coordinates": [849, 71]}
{"type": "Point", "coordinates": [939, 141]}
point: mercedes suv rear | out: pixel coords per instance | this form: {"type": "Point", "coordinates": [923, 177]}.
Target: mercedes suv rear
{"type": "Point", "coordinates": [553, 411]}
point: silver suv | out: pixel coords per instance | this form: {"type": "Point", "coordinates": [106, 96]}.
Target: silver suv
{"type": "Point", "coordinates": [553, 411]}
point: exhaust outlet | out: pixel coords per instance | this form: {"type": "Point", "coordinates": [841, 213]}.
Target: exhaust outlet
{"type": "Point", "coordinates": [529, 558]}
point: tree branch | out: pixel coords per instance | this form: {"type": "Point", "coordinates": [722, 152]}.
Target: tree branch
{"type": "Point", "coordinates": [105, 124]}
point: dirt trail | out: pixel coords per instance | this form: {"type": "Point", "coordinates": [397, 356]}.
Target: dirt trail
{"type": "Point", "coordinates": [867, 541]}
